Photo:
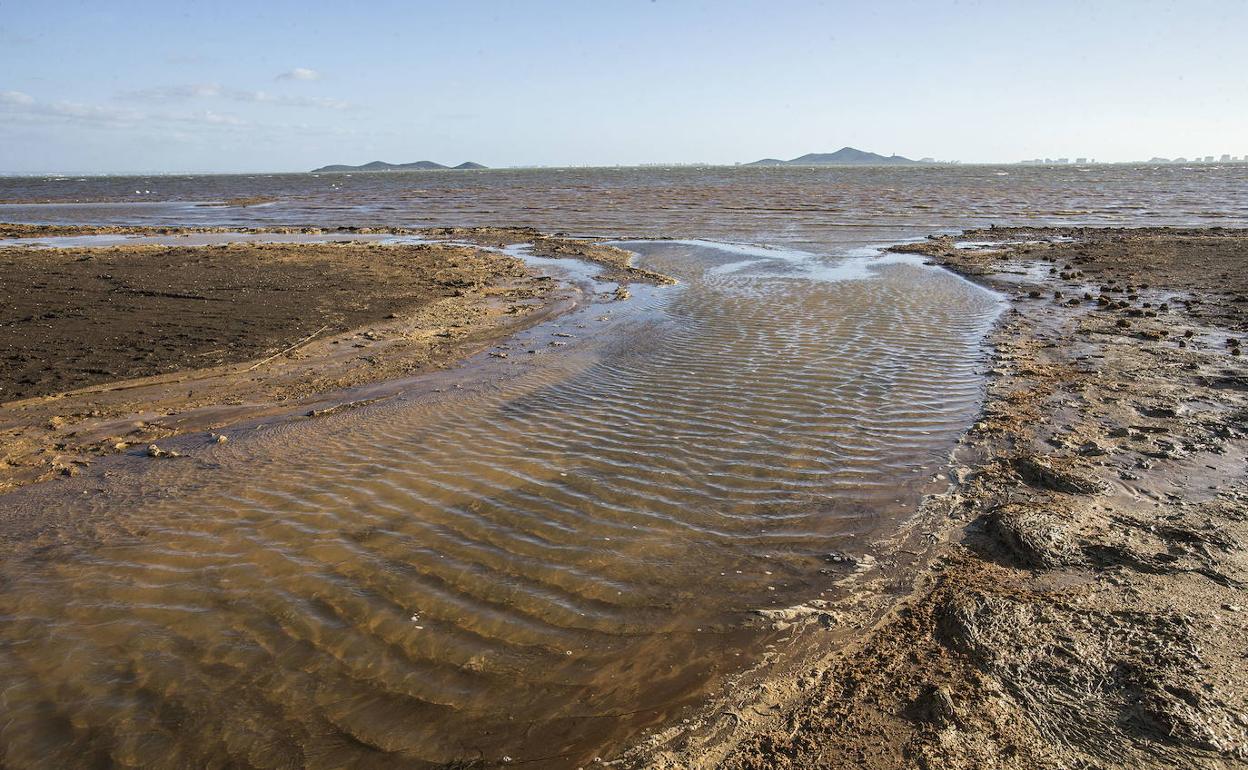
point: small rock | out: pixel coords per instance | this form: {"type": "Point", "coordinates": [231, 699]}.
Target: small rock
{"type": "Point", "coordinates": [937, 706]}
{"type": "Point", "coordinates": [1091, 449]}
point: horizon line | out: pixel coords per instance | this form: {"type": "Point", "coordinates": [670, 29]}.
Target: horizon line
{"type": "Point", "coordinates": [1031, 163]}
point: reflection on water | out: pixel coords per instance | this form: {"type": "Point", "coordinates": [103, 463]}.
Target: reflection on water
{"type": "Point", "coordinates": [534, 560]}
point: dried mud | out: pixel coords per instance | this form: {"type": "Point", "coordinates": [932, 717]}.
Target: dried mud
{"type": "Point", "coordinates": [1084, 603]}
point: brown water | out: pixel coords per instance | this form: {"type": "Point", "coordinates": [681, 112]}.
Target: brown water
{"type": "Point", "coordinates": [811, 208]}
{"type": "Point", "coordinates": [529, 558]}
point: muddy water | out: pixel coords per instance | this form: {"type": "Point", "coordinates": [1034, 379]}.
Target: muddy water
{"type": "Point", "coordinates": [805, 205]}
{"type": "Point", "coordinates": [530, 557]}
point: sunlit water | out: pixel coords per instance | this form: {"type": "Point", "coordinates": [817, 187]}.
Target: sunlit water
{"type": "Point", "coordinates": [531, 557]}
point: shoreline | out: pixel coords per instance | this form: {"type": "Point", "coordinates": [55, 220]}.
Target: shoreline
{"type": "Point", "coordinates": [1084, 603]}
{"type": "Point", "coordinates": [422, 307]}
{"type": "Point", "coordinates": [1077, 596]}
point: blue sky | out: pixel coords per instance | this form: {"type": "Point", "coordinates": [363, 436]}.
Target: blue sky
{"type": "Point", "coordinates": [95, 87]}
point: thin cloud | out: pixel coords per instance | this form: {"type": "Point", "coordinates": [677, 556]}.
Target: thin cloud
{"type": "Point", "coordinates": [174, 93]}
{"type": "Point", "coordinates": [17, 107]}
{"type": "Point", "coordinates": [300, 73]}
{"type": "Point", "coordinates": [263, 97]}
{"type": "Point", "coordinates": [16, 97]}
{"type": "Point", "coordinates": [214, 91]}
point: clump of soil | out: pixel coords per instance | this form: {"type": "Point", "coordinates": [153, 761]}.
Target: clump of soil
{"type": "Point", "coordinates": [1087, 605]}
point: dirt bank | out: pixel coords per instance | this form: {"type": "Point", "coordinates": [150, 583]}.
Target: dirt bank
{"type": "Point", "coordinates": [1086, 602]}
{"type": "Point", "coordinates": [109, 349]}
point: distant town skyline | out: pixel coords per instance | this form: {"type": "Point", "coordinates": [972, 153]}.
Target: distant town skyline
{"type": "Point", "coordinates": [179, 87]}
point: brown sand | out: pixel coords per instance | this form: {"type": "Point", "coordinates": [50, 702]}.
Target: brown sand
{"type": "Point", "coordinates": [1087, 600]}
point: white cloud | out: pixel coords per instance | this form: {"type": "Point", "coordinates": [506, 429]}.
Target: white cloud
{"type": "Point", "coordinates": [215, 91]}
{"type": "Point", "coordinates": [15, 97]}
{"type": "Point", "coordinates": [322, 102]}
{"type": "Point", "coordinates": [174, 93]}
{"type": "Point", "coordinates": [300, 73]}
{"type": "Point", "coordinates": [212, 119]}
{"type": "Point", "coordinates": [17, 108]}
{"type": "Point", "coordinates": [19, 105]}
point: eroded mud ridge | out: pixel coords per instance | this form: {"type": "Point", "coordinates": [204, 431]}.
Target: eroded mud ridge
{"type": "Point", "coordinates": [1087, 606]}
{"type": "Point", "coordinates": [529, 558]}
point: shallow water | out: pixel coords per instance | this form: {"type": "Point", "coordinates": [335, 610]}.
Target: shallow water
{"type": "Point", "coordinates": [816, 209]}
{"type": "Point", "coordinates": [535, 564]}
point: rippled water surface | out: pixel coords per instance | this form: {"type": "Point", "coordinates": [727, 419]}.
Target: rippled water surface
{"type": "Point", "coordinates": [810, 207]}
{"type": "Point", "coordinates": [536, 556]}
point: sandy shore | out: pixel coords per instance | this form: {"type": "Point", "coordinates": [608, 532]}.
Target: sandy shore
{"type": "Point", "coordinates": [1085, 601]}
{"type": "Point", "coordinates": [112, 349]}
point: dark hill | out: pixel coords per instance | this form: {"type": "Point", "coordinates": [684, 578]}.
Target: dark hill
{"type": "Point", "coordinates": [379, 165]}
{"type": "Point", "coordinates": [846, 156]}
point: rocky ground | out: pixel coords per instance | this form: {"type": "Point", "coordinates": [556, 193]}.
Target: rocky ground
{"type": "Point", "coordinates": [1086, 604]}
{"type": "Point", "coordinates": [110, 349]}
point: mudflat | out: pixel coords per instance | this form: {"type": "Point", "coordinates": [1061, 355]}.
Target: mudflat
{"type": "Point", "coordinates": [1086, 599]}
{"type": "Point", "coordinates": [108, 349]}
{"type": "Point", "coordinates": [79, 317]}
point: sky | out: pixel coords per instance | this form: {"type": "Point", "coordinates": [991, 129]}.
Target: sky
{"type": "Point", "coordinates": [205, 87]}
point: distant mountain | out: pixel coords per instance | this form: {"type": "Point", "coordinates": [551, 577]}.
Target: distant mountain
{"type": "Point", "coordinates": [846, 156]}
{"type": "Point", "coordinates": [379, 165]}
{"type": "Point", "coordinates": [468, 166]}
